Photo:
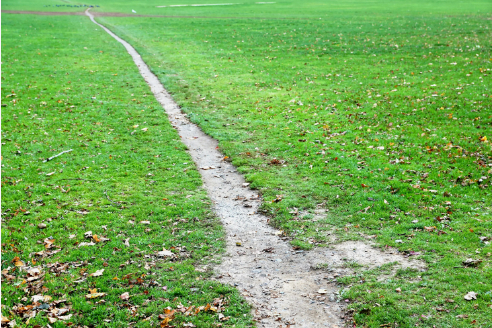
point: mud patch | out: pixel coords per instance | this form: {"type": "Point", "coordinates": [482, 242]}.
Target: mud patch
{"type": "Point", "coordinates": [277, 280]}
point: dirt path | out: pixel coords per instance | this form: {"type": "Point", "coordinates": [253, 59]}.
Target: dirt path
{"type": "Point", "coordinates": [278, 281]}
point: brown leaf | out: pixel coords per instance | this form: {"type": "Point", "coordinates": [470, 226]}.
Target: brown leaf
{"type": "Point", "coordinates": [470, 296]}
{"type": "Point", "coordinates": [125, 296]}
{"type": "Point", "coordinates": [223, 318]}
{"type": "Point", "coordinates": [94, 295]}
{"type": "Point", "coordinates": [17, 262]}
{"type": "Point", "coordinates": [169, 313]}
{"type": "Point", "coordinates": [164, 253]}
{"type": "Point", "coordinates": [165, 322]}
{"type": "Point", "coordinates": [5, 320]}
{"type": "Point", "coordinates": [97, 273]}
{"type": "Point", "coordinates": [471, 262]}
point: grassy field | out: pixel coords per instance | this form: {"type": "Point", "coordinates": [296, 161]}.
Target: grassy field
{"type": "Point", "coordinates": [313, 9]}
{"type": "Point", "coordinates": [382, 116]}
{"type": "Point", "coordinates": [117, 230]}
{"type": "Point", "coordinates": [379, 112]}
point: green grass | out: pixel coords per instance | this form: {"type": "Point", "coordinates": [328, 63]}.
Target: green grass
{"type": "Point", "coordinates": [322, 96]}
{"type": "Point", "coordinates": [313, 9]}
{"type": "Point", "coordinates": [68, 85]}
{"type": "Point", "coordinates": [304, 108]}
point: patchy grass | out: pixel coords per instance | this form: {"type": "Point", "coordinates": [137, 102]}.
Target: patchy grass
{"type": "Point", "coordinates": [382, 118]}
{"type": "Point", "coordinates": [94, 220]}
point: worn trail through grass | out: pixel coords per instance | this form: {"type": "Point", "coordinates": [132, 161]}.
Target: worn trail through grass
{"type": "Point", "coordinates": [282, 283]}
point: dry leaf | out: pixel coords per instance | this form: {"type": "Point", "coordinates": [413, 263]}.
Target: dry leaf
{"type": "Point", "coordinates": [97, 273]}
{"type": "Point", "coordinates": [86, 244]}
{"type": "Point", "coordinates": [127, 242]}
{"type": "Point", "coordinates": [94, 295]}
{"type": "Point", "coordinates": [470, 296]}
{"type": "Point", "coordinates": [165, 322]}
{"type": "Point", "coordinates": [41, 298]}
{"type": "Point", "coordinates": [164, 253]}
{"type": "Point", "coordinates": [145, 222]}
{"type": "Point", "coordinates": [125, 296]}
{"type": "Point", "coordinates": [5, 320]}
{"type": "Point", "coordinates": [17, 262]}
{"type": "Point", "coordinates": [65, 317]}
{"type": "Point", "coordinates": [168, 314]}
{"type": "Point", "coordinates": [322, 291]}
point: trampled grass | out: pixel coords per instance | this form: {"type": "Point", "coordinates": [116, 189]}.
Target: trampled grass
{"type": "Point", "coordinates": [382, 118]}
{"type": "Point", "coordinates": [125, 192]}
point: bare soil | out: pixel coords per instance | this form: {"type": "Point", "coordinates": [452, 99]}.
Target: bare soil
{"type": "Point", "coordinates": [284, 286]}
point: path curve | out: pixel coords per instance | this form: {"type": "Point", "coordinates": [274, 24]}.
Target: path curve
{"type": "Point", "coordinates": [280, 283]}
{"type": "Point", "coordinates": [277, 283]}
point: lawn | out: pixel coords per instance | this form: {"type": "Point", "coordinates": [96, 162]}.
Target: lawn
{"type": "Point", "coordinates": [380, 115]}
{"type": "Point", "coordinates": [378, 112]}
{"type": "Point", "coordinates": [118, 231]}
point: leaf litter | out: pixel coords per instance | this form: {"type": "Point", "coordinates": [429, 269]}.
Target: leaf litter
{"type": "Point", "coordinates": [280, 285]}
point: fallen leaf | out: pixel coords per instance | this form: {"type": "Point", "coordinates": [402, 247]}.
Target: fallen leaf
{"type": "Point", "coordinates": [471, 262]}
{"type": "Point", "coordinates": [165, 322]}
{"type": "Point", "coordinates": [41, 298]}
{"type": "Point", "coordinates": [223, 318]}
{"type": "Point", "coordinates": [94, 295]}
{"type": "Point", "coordinates": [322, 291]}
{"type": "Point", "coordinates": [127, 242]}
{"type": "Point", "coordinates": [17, 262]}
{"type": "Point", "coordinates": [5, 320]}
{"type": "Point", "coordinates": [145, 222]}
{"type": "Point", "coordinates": [97, 273]}
{"type": "Point", "coordinates": [470, 296]}
{"type": "Point", "coordinates": [65, 317]}
{"type": "Point", "coordinates": [86, 244]}
{"type": "Point", "coordinates": [125, 296]}
{"type": "Point", "coordinates": [164, 253]}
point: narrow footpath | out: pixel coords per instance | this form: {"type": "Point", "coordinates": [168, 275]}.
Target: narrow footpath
{"type": "Point", "coordinates": [282, 284]}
